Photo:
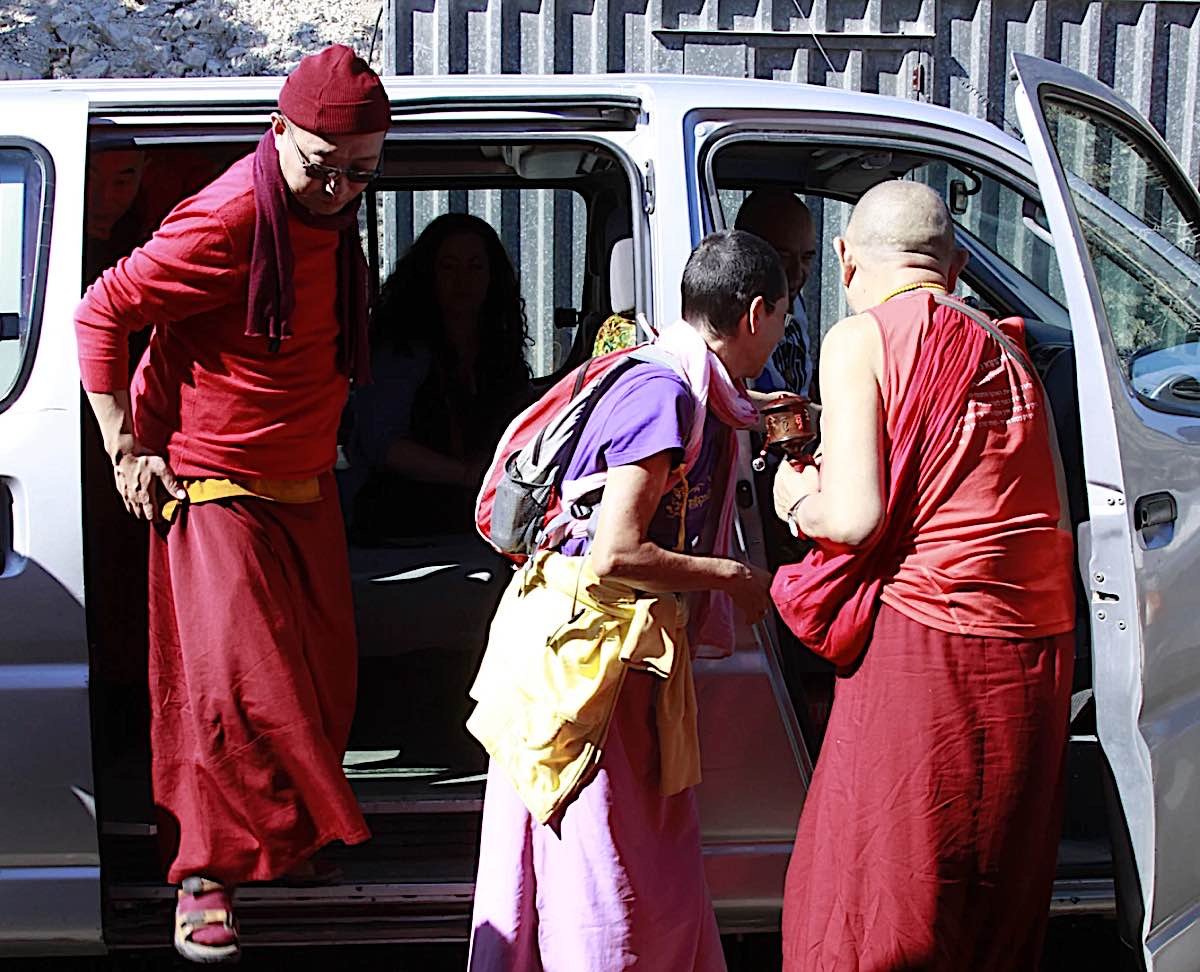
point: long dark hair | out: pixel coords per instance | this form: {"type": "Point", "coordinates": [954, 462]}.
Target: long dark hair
{"type": "Point", "coordinates": [407, 313]}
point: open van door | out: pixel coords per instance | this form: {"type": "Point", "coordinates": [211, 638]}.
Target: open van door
{"type": "Point", "coordinates": [1126, 226]}
{"type": "Point", "coordinates": [49, 859]}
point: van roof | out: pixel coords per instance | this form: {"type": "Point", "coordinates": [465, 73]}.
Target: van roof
{"type": "Point", "coordinates": [682, 92]}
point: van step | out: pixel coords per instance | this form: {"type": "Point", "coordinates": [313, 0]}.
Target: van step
{"type": "Point", "coordinates": [404, 848]}
{"type": "Point", "coordinates": [461, 795]}
{"type": "Point", "coordinates": [412, 881]}
{"type": "Point", "coordinates": [376, 797]}
{"type": "Point", "coordinates": [1084, 896]}
{"type": "Point", "coordinates": [140, 916]}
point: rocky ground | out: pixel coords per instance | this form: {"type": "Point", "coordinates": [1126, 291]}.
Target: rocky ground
{"type": "Point", "coordinates": [176, 38]}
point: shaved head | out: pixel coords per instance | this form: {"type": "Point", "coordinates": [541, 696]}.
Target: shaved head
{"type": "Point", "coordinates": [896, 221]}
{"type": "Point", "coordinates": [900, 236]}
{"type": "Point", "coordinates": [765, 209]}
{"type": "Point", "coordinates": [781, 218]}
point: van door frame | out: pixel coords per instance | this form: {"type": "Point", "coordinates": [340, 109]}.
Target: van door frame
{"type": "Point", "coordinates": [1146, 718]}
{"type": "Point", "coordinates": [710, 130]}
{"type": "Point", "coordinates": [49, 844]}
{"type": "Point", "coordinates": [434, 120]}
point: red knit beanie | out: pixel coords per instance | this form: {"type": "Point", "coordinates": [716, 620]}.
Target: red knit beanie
{"type": "Point", "coordinates": [335, 93]}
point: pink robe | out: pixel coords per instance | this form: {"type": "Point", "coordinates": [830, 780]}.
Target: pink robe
{"type": "Point", "coordinates": [618, 883]}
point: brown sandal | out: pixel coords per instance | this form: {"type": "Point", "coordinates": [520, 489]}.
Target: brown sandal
{"type": "Point", "coordinates": [205, 929]}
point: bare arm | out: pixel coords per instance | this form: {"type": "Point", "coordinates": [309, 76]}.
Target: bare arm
{"type": "Point", "coordinates": [622, 551]}
{"type": "Point", "coordinates": [843, 503]}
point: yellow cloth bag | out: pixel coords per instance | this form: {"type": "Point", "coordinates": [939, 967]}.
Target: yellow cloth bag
{"type": "Point", "coordinates": [558, 650]}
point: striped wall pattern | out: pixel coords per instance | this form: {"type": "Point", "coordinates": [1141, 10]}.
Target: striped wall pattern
{"type": "Point", "coordinates": [950, 52]}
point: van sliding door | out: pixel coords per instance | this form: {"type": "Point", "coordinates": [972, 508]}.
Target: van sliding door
{"type": "Point", "coordinates": [49, 859]}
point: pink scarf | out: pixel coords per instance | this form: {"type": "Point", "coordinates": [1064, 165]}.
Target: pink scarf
{"type": "Point", "coordinates": [712, 626]}
{"type": "Point", "coordinates": [272, 297]}
{"type": "Point", "coordinates": [712, 623]}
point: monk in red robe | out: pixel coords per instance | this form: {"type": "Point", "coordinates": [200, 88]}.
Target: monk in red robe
{"type": "Point", "coordinates": [942, 586]}
{"type": "Point", "coordinates": [256, 292]}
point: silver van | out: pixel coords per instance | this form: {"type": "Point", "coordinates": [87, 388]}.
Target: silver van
{"type": "Point", "coordinates": [600, 186]}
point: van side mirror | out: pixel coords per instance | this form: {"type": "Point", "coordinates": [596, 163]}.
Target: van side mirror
{"type": "Point", "coordinates": [960, 192]}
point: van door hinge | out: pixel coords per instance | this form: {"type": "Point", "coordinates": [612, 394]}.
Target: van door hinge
{"type": "Point", "coordinates": [648, 186]}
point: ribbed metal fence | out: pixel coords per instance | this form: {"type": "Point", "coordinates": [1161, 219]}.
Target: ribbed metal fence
{"type": "Point", "coordinates": [951, 52]}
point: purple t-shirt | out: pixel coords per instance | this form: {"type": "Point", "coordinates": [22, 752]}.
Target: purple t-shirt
{"type": "Point", "coordinates": [649, 410]}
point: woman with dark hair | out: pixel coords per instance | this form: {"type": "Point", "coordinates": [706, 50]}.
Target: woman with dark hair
{"type": "Point", "coordinates": [449, 373]}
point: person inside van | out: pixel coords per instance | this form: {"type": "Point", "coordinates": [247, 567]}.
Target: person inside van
{"type": "Point", "coordinates": [942, 585]}
{"type": "Point", "coordinates": [256, 291]}
{"type": "Point", "coordinates": [449, 338]}
{"type": "Point", "coordinates": [113, 227]}
{"type": "Point", "coordinates": [590, 854]}
{"type": "Point", "coordinates": [781, 218]}
{"type": "Point", "coordinates": [112, 224]}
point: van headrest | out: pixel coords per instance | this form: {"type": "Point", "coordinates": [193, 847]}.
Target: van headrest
{"type": "Point", "coordinates": [621, 288]}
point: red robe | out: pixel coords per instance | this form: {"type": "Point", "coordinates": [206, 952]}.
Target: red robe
{"type": "Point", "coordinates": [253, 669]}
{"type": "Point", "coordinates": [252, 646]}
{"type": "Point", "coordinates": [928, 836]}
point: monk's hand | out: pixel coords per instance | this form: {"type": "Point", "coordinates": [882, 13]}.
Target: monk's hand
{"type": "Point", "coordinates": [792, 485]}
{"type": "Point", "coordinates": [143, 478]}
{"type": "Point", "coordinates": [751, 592]}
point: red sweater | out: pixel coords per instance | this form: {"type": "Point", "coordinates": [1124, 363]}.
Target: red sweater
{"type": "Point", "coordinates": [216, 402]}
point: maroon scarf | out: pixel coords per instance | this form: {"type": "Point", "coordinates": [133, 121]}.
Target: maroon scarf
{"type": "Point", "coordinates": [272, 298]}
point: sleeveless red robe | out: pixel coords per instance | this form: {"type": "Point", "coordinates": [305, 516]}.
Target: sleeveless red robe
{"type": "Point", "coordinates": [929, 834]}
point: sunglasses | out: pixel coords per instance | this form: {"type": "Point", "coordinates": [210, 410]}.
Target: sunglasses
{"type": "Point", "coordinates": [326, 173]}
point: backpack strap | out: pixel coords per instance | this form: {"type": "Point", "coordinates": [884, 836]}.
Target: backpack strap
{"type": "Point", "coordinates": [1005, 342]}
{"type": "Point", "coordinates": [552, 532]}
{"type": "Point", "coordinates": [584, 507]}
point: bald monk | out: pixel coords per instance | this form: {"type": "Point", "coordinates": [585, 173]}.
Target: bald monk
{"type": "Point", "coordinates": [941, 583]}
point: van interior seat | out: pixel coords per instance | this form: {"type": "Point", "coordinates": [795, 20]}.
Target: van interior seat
{"type": "Point", "coordinates": [622, 300]}
{"type": "Point", "coordinates": [622, 281]}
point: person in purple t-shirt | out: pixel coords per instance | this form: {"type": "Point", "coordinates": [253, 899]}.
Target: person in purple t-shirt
{"type": "Point", "coordinates": [617, 881]}
{"type": "Point", "coordinates": [648, 412]}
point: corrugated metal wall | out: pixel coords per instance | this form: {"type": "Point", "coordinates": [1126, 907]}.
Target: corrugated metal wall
{"type": "Point", "coordinates": [959, 49]}
{"type": "Point", "coordinates": [951, 52]}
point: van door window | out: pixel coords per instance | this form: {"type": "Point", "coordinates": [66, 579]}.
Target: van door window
{"type": "Point", "coordinates": [1141, 235]}
{"type": "Point", "coordinates": [1002, 225]}
{"type": "Point", "coordinates": [1008, 223]}
{"type": "Point", "coordinates": [22, 235]}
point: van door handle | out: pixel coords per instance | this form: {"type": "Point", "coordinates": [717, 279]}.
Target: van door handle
{"type": "Point", "coordinates": [7, 555]}
{"type": "Point", "coordinates": [1154, 509]}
